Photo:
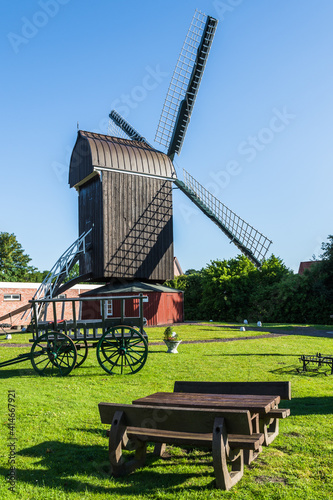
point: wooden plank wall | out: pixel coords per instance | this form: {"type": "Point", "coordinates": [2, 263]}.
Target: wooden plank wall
{"type": "Point", "coordinates": [161, 308]}
{"type": "Point", "coordinates": [137, 227]}
{"type": "Point", "coordinates": [91, 216]}
{"type": "Point", "coordinates": [80, 164]}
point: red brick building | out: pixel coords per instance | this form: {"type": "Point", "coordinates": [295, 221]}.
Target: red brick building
{"type": "Point", "coordinates": [306, 265]}
{"type": "Point", "coordinates": [15, 295]}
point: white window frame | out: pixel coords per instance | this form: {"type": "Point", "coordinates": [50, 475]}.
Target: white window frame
{"type": "Point", "coordinates": [108, 308]}
{"type": "Point", "coordinates": [12, 297]}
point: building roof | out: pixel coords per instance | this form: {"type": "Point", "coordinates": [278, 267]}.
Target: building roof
{"type": "Point", "coordinates": [94, 153]}
{"type": "Point", "coordinates": [306, 265]}
{"type": "Point", "coordinates": [177, 270]}
{"type": "Point", "coordinates": [134, 287]}
{"type": "Point", "coordinates": [35, 286]}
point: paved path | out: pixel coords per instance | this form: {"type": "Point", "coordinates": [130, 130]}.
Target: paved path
{"type": "Point", "coordinates": [206, 341]}
{"type": "Point", "coordinates": [297, 330]}
{"type": "Point", "coordinates": [272, 332]}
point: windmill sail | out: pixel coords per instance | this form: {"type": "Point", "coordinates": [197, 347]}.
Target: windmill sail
{"type": "Point", "coordinates": [122, 125]}
{"type": "Point", "coordinates": [172, 128]}
{"type": "Point", "coordinates": [185, 83]}
{"type": "Point", "coordinates": [250, 242]}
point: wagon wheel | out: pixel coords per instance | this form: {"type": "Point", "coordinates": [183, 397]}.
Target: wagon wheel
{"type": "Point", "coordinates": [122, 350]}
{"type": "Point", "coordinates": [53, 353]}
{"type": "Point", "coordinates": [82, 352]}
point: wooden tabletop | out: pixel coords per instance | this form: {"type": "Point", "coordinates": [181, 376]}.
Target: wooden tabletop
{"type": "Point", "coordinates": [253, 403]}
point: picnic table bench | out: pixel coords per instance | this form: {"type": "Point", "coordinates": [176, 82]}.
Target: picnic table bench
{"type": "Point", "coordinates": [228, 433]}
{"type": "Point", "coordinates": [269, 421]}
{"type": "Point", "coordinates": [319, 359]}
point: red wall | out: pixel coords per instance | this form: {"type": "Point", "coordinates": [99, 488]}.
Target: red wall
{"type": "Point", "coordinates": [162, 307]}
{"type": "Point", "coordinates": [27, 291]}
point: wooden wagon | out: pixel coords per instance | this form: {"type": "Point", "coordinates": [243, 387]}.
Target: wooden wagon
{"type": "Point", "coordinates": [59, 346]}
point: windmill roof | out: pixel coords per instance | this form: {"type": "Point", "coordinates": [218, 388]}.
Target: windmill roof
{"type": "Point", "coordinates": [134, 287]}
{"type": "Point", "coordinates": [93, 153]}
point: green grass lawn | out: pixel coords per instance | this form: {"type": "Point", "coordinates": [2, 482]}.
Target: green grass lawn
{"type": "Point", "coordinates": [62, 448]}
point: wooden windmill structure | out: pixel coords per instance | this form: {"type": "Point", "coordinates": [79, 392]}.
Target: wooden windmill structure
{"type": "Point", "coordinates": [125, 199]}
{"type": "Point", "coordinates": [125, 189]}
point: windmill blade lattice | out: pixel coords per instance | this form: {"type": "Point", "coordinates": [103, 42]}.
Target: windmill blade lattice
{"type": "Point", "coordinates": [185, 83]}
{"type": "Point", "coordinates": [251, 242]}
{"type": "Point", "coordinates": [119, 127]}
{"type": "Point", "coordinates": [115, 131]}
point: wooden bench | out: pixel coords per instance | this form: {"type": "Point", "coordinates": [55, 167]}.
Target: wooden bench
{"type": "Point", "coordinates": [227, 433]}
{"type": "Point", "coordinates": [268, 424]}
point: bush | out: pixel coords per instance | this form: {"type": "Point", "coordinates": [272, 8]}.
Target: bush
{"type": "Point", "coordinates": [231, 290]}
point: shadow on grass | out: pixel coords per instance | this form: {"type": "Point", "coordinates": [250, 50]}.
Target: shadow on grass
{"type": "Point", "coordinates": [245, 354]}
{"type": "Point", "coordinates": [310, 406]}
{"type": "Point", "coordinates": [58, 462]}
{"type": "Point", "coordinates": [296, 370]}
{"type": "Point", "coordinates": [17, 372]}
{"type": "Point", "coordinates": [80, 371]}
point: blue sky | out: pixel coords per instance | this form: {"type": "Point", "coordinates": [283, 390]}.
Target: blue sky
{"type": "Point", "coordinates": [265, 104]}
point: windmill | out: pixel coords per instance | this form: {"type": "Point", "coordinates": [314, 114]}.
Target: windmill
{"type": "Point", "coordinates": [171, 130]}
{"type": "Point", "coordinates": [124, 189]}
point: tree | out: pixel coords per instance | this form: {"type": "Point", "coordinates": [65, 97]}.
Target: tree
{"type": "Point", "coordinates": [231, 290]}
{"type": "Point", "coordinates": [73, 273]}
{"type": "Point", "coordinates": [191, 284]}
{"type": "Point", "coordinates": [268, 297]}
{"type": "Point", "coordinates": [227, 286]}
{"type": "Point", "coordinates": [37, 276]}
{"type": "Point", "coordinates": [328, 250]}
{"type": "Point", "coordinates": [234, 289]}
{"type": "Point", "coordinates": [327, 264]}
{"type": "Point", "coordinates": [14, 263]}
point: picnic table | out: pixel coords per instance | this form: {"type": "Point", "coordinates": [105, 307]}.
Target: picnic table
{"type": "Point", "coordinates": [259, 407]}
{"type": "Point", "coordinates": [256, 404]}
{"type": "Point", "coordinates": [221, 416]}
{"type": "Point", "coordinates": [227, 433]}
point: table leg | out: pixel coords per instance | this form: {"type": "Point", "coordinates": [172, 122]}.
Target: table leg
{"type": "Point", "coordinates": [250, 455]}
{"type": "Point", "coordinates": [117, 438]}
{"type": "Point", "coordinates": [221, 453]}
{"type": "Point", "coordinates": [270, 428]}
{"type": "Point", "coordinates": [159, 449]}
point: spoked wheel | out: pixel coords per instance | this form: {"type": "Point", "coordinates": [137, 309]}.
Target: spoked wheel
{"type": "Point", "coordinates": [82, 352]}
{"type": "Point", "coordinates": [53, 353]}
{"type": "Point", "coordinates": [122, 350]}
